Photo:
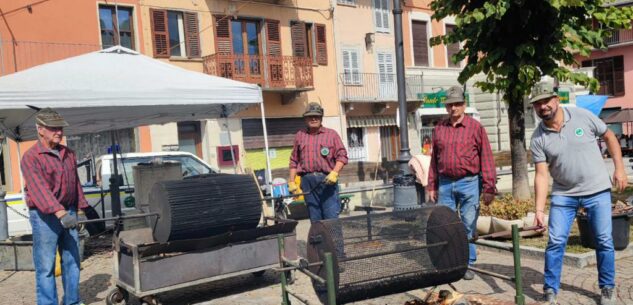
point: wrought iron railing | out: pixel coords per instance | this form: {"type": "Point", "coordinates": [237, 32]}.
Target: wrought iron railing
{"type": "Point", "coordinates": [619, 36]}
{"type": "Point", "coordinates": [367, 87]}
{"type": "Point", "coordinates": [20, 55]}
{"type": "Point", "coordinates": [271, 72]}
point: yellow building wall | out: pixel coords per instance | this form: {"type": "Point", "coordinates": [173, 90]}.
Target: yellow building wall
{"type": "Point", "coordinates": [256, 158]}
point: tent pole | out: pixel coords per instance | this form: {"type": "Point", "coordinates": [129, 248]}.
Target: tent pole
{"type": "Point", "coordinates": [114, 183]}
{"type": "Point", "coordinates": [269, 172]}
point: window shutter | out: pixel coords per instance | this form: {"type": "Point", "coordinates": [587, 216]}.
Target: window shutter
{"type": "Point", "coordinates": [347, 73]}
{"type": "Point", "coordinates": [385, 15]}
{"type": "Point", "coordinates": [355, 67]}
{"type": "Point", "coordinates": [452, 48]}
{"type": "Point", "coordinates": [192, 34]}
{"type": "Point", "coordinates": [618, 75]}
{"type": "Point", "coordinates": [378, 14]}
{"type": "Point", "coordinates": [298, 36]}
{"type": "Point", "coordinates": [321, 44]}
{"type": "Point", "coordinates": [420, 43]}
{"type": "Point", "coordinates": [273, 36]}
{"type": "Point", "coordinates": [160, 33]}
{"type": "Point", "coordinates": [223, 44]}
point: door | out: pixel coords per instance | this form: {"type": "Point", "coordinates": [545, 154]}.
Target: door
{"type": "Point", "coordinates": [246, 47]}
{"type": "Point", "coordinates": [386, 77]}
{"type": "Point", "coordinates": [189, 139]}
{"type": "Point", "coordinates": [389, 142]}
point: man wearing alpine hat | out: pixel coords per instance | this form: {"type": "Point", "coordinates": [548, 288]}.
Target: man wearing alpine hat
{"type": "Point", "coordinates": [564, 145]}
{"type": "Point", "coordinates": [318, 155]}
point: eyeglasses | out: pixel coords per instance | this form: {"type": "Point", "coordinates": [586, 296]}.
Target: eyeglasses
{"type": "Point", "coordinates": [313, 118]}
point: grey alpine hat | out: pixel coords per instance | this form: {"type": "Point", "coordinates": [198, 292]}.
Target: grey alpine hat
{"type": "Point", "coordinates": [313, 109]}
{"type": "Point", "coordinates": [50, 118]}
{"type": "Point", "coordinates": [542, 91]}
{"type": "Point", "coordinates": [454, 94]}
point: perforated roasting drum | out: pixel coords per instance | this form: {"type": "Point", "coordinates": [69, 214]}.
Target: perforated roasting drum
{"type": "Point", "coordinates": [205, 206]}
{"type": "Point", "coordinates": [381, 254]}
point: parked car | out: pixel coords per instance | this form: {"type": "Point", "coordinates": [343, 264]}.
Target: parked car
{"type": "Point", "coordinates": [95, 175]}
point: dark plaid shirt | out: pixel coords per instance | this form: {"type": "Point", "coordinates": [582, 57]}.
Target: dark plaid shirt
{"type": "Point", "coordinates": [51, 181]}
{"type": "Point", "coordinates": [317, 152]}
{"type": "Point", "coordinates": [461, 151]}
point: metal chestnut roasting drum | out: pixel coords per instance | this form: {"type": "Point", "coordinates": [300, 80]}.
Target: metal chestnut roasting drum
{"type": "Point", "coordinates": [204, 206]}
{"type": "Point", "coordinates": [381, 254]}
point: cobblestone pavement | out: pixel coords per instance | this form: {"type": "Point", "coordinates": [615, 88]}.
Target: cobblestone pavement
{"type": "Point", "coordinates": [579, 286]}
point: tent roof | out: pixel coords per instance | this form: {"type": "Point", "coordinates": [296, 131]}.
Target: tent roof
{"type": "Point", "coordinates": [116, 88]}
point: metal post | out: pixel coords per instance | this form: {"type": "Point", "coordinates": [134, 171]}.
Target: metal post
{"type": "Point", "coordinates": [4, 221]}
{"type": "Point", "coordinates": [284, 280]}
{"type": "Point", "coordinates": [404, 193]}
{"type": "Point", "coordinates": [329, 269]}
{"type": "Point", "coordinates": [405, 155]}
{"type": "Point", "coordinates": [519, 299]}
{"type": "Point", "coordinates": [114, 182]}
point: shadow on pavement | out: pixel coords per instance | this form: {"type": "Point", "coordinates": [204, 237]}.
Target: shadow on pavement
{"type": "Point", "coordinates": [91, 287]}
{"type": "Point", "coordinates": [531, 278]}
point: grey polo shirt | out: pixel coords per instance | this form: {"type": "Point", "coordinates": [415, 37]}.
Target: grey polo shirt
{"type": "Point", "coordinates": [574, 158]}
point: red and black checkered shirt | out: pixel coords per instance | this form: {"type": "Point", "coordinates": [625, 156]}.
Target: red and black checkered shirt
{"type": "Point", "coordinates": [51, 181]}
{"type": "Point", "coordinates": [461, 151]}
{"type": "Point", "coordinates": [317, 152]}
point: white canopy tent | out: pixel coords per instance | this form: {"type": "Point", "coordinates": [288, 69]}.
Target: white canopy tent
{"type": "Point", "coordinates": [118, 88]}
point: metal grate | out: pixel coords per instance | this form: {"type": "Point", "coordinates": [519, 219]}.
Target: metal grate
{"type": "Point", "coordinates": [380, 254]}
{"type": "Point", "coordinates": [205, 206]}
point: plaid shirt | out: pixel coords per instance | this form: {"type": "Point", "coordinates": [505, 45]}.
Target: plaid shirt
{"type": "Point", "coordinates": [317, 152]}
{"type": "Point", "coordinates": [51, 181]}
{"type": "Point", "coordinates": [461, 151]}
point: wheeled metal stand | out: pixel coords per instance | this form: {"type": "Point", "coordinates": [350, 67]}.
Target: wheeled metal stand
{"type": "Point", "coordinates": [286, 265]}
{"type": "Point", "coordinates": [301, 265]}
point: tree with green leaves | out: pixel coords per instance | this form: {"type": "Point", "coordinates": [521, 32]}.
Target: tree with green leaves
{"type": "Point", "coordinates": [513, 43]}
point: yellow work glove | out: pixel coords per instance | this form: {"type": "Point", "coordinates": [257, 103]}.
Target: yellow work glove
{"type": "Point", "coordinates": [331, 178]}
{"type": "Point", "coordinates": [293, 188]}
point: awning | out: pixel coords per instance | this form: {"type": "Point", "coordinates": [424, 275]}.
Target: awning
{"type": "Point", "coordinates": [371, 121]}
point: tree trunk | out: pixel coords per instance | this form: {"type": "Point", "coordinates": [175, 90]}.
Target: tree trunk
{"type": "Point", "coordinates": [516, 122]}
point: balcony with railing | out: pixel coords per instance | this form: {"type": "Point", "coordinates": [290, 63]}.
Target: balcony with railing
{"type": "Point", "coordinates": [273, 73]}
{"type": "Point", "coordinates": [375, 87]}
{"type": "Point", "coordinates": [619, 36]}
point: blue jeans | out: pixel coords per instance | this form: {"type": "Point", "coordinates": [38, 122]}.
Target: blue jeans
{"type": "Point", "coordinates": [562, 214]}
{"type": "Point", "coordinates": [323, 201]}
{"type": "Point", "coordinates": [462, 195]}
{"type": "Point", "coordinates": [48, 236]}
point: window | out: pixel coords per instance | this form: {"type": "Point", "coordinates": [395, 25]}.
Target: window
{"type": "Point", "coordinates": [309, 40]}
{"type": "Point", "coordinates": [452, 48]}
{"type": "Point", "coordinates": [175, 33]}
{"type": "Point", "coordinates": [348, 2]}
{"type": "Point", "coordinates": [420, 43]}
{"type": "Point", "coordinates": [610, 73]}
{"type": "Point", "coordinates": [351, 67]}
{"type": "Point", "coordinates": [381, 15]}
{"type": "Point", "coordinates": [116, 28]}
{"type": "Point", "coordinates": [224, 155]}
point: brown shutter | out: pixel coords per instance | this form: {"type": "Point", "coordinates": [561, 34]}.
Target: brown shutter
{"type": "Point", "coordinates": [273, 42]}
{"type": "Point", "coordinates": [321, 44]}
{"type": "Point", "coordinates": [618, 76]}
{"type": "Point", "coordinates": [192, 34]}
{"type": "Point", "coordinates": [223, 44]}
{"type": "Point", "coordinates": [298, 36]}
{"type": "Point", "coordinates": [160, 33]}
{"type": "Point", "coordinates": [452, 48]}
{"type": "Point", "coordinates": [420, 44]}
